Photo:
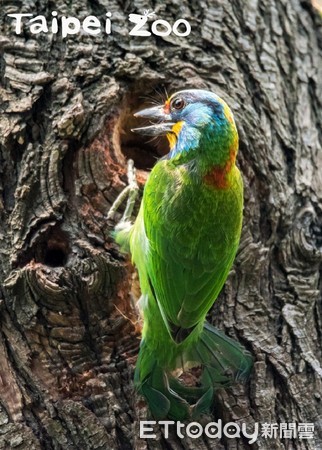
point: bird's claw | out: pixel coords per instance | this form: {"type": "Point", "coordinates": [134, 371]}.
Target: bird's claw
{"type": "Point", "coordinates": [130, 191]}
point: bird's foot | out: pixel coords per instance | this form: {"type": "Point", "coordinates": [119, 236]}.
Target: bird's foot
{"type": "Point", "coordinates": [130, 192]}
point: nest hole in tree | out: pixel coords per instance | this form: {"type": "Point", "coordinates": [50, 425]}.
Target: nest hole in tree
{"type": "Point", "coordinates": [55, 257]}
{"type": "Point", "coordinates": [53, 249]}
{"type": "Point", "coordinates": [144, 150]}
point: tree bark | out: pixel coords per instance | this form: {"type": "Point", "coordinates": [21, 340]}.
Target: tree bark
{"type": "Point", "coordinates": [69, 329]}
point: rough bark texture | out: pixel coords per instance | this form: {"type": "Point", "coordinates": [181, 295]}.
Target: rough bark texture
{"type": "Point", "coordinates": [69, 333]}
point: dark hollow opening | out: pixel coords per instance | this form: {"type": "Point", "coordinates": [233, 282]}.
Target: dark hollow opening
{"type": "Point", "coordinates": [55, 257]}
{"type": "Point", "coordinates": [144, 150]}
{"type": "Point", "coordinates": [53, 249]}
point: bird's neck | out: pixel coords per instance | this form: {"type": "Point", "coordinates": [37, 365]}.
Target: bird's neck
{"type": "Point", "coordinates": [211, 154]}
{"type": "Point", "coordinates": [217, 148]}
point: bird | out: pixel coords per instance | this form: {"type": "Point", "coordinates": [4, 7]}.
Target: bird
{"type": "Point", "coordinates": [183, 243]}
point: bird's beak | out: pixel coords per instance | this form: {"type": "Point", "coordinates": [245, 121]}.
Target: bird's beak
{"type": "Point", "coordinates": [155, 113]}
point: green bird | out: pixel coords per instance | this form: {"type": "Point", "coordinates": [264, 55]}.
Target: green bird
{"type": "Point", "coordinates": [183, 243]}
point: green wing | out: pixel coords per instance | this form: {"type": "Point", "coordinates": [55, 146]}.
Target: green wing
{"type": "Point", "coordinates": [192, 234]}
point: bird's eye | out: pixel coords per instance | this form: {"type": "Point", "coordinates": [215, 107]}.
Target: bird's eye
{"type": "Point", "coordinates": [178, 103]}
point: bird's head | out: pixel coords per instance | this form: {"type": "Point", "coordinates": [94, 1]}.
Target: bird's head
{"type": "Point", "coordinates": [199, 126]}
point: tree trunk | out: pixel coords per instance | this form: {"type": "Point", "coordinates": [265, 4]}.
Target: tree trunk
{"type": "Point", "coordinates": [69, 330]}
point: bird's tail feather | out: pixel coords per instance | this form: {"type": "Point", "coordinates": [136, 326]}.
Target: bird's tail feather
{"type": "Point", "coordinates": [222, 361]}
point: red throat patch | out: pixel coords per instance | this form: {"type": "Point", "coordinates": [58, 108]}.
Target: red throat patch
{"type": "Point", "coordinates": [217, 176]}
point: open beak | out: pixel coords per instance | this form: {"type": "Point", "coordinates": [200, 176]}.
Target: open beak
{"type": "Point", "coordinates": [158, 129]}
